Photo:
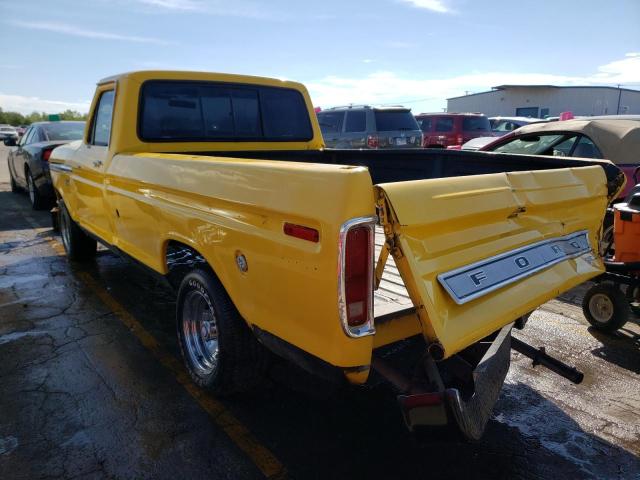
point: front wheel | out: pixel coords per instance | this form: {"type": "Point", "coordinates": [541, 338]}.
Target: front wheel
{"type": "Point", "coordinates": [605, 307]}
{"type": "Point", "coordinates": [78, 245]}
{"type": "Point", "coordinates": [218, 349]}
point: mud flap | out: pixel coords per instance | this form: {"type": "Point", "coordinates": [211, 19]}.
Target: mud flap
{"type": "Point", "coordinates": [449, 408]}
{"type": "Point", "coordinates": [471, 415]}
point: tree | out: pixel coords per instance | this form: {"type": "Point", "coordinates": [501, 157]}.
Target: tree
{"type": "Point", "coordinates": [15, 118]}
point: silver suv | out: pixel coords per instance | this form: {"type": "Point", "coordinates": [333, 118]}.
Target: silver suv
{"type": "Point", "coordinates": [362, 126]}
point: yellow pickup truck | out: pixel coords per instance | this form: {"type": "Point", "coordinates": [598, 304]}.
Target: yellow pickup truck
{"type": "Point", "coordinates": [221, 183]}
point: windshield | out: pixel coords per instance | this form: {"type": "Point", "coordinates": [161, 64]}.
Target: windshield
{"type": "Point", "coordinates": [63, 131]}
{"type": "Point", "coordinates": [529, 145]}
{"type": "Point", "coordinates": [475, 124]}
{"type": "Point", "coordinates": [7, 129]}
{"type": "Point", "coordinates": [389, 120]}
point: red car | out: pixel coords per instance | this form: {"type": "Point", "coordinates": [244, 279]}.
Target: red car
{"type": "Point", "coordinates": [442, 130]}
{"type": "Point", "coordinates": [617, 140]}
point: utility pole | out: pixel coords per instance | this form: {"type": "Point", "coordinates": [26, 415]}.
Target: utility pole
{"type": "Point", "coordinates": [619, 96]}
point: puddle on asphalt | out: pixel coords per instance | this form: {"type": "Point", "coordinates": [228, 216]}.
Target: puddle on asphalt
{"type": "Point", "coordinates": [10, 337]}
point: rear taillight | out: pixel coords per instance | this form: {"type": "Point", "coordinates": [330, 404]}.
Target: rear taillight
{"type": "Point", "coordinates": [356, 250]}
{"type": "Point", "coordinates": [45, 155]}
{"type": "Point", "coordinates": [372, 141]}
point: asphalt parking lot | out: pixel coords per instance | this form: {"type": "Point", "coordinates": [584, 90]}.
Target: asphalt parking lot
{"type": "Point", "coordinates": [93, 387]}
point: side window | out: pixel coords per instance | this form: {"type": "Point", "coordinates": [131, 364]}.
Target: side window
{"type": "Point", "coordinates": [331, 122]}
{"type": "Point", "coordinates": [36, 136]}
{"type": "Point", "coordinates": [25, 137]}
{"type": "Point", "coordinates": [101, 122]}
{"type": "Point", "coordinates": [585, 148]}
{"type": "Point", "coordinates": [444, 124]}
{"type": "Point", "coordinates": [356, 121]}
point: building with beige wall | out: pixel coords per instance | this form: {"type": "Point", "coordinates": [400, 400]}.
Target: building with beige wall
{"type": "Point", "coordinates": [548, 101]}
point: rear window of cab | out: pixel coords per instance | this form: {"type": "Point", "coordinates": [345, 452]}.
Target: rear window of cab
{"type": "Point", "coordinates": [190, 111]}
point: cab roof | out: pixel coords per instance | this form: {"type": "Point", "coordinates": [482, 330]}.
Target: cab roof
{"type": "Point", "coordinates": [144, 75]}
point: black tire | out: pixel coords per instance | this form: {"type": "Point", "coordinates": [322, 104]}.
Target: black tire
{"type": "Point", "coordinates": [78, 245]}
{"type": "Point", "coordinates": [606, 307]}
{"type": "Point", "coordinates": [240, 360]}
{"type": "Point", "coordinates": [36, 199]}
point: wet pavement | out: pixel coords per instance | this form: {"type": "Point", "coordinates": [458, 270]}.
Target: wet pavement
{"type": "Point", "coordinates": [92, 387]}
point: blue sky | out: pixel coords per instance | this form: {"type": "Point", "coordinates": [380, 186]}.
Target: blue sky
{"type": "Point", "coordinates": [414, 52]}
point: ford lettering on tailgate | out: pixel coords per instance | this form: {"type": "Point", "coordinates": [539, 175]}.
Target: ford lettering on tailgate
{"type": "Point", "coordinates": [472, 281]}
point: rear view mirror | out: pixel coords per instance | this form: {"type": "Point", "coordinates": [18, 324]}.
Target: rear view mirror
{"type": "Point", "coordinates": [10, 142]}
{"type": "Point", "coordinates": [530, 138]}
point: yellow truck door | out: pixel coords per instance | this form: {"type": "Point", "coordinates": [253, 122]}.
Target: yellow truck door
{"type": "Point", "coordinates": [477, 252]}
{"type": "Point", "coordinates": [90, 163]}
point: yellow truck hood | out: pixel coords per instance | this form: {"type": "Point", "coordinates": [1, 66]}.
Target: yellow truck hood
{"type": "Point", "coordinates": [477, 252]}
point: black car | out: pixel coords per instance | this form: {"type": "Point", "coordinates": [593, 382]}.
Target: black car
{"type": "Point", "coordinates": [29, 160]}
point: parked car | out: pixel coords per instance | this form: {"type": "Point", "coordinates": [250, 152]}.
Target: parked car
{"type": "Point", "coordinates": [441, 130]}
{"type": "Point", "coordinates": [356, 126]}
{"type": "Point", "coordinates": [503, 125]}
{"type": "Point", "coordinates": [29, 160]}
{"type": "Point", "coordinates": [21, 129]}
{"type": "Point", "coordinates": [7, 131]}
{"type": "Point", "coordinates": [617, 140]}
{"type": "Point", "coordinates": [269, 238]}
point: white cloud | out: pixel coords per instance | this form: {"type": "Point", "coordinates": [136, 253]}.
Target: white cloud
{"type": "Point", "coordinates": [21, 104]}
{"type": "Point", "coordinates": [438, 6]}
{"type": "Point", "coordinates": [626, 70]}
{"type": "Point", "coordinates": [174, 4]}
{"type": "Point", "coordinates": [236, 8]}
{"type": "Point", "coordinates": [67, 29]}
{"type": "Point", "coordinates": [386, 87]}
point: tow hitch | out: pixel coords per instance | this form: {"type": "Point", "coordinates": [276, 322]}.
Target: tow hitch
{"type": "Point", "coordinates": [540, 357]}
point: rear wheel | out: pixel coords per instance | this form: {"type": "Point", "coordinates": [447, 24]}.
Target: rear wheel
{"type": "Point", "coordinates": [37, 201]}
{"type": "Point", "coordinates": [605, 307]}
{"type": "Point", "coordinates": [78, 245]}
{"type": "Point", "coordinates": [218, 348]}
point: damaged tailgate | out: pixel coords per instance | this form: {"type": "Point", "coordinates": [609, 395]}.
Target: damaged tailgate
{"type": "Point", "coordinates": [477, 252]}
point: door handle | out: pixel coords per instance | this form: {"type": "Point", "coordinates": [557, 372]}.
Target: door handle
{"type": "Point", "coordinates": [97, 163]}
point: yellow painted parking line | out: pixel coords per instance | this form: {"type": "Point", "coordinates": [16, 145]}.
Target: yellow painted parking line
{"type": "Point", "coordinates": [260, 455]}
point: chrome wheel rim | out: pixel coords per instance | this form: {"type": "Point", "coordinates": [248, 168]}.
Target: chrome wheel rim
{"type": "Point", "coordinates": [64, 229]}
{"type": "Point", "coordinates": [32, 188]}
{"type": "Point", "coordinates": [200, 331]}
{"type": "Point", "coordinates": [601, 308]}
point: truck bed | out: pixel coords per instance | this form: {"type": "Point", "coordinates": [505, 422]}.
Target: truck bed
{"type": "Point", "coordinates": [391, 165]}
{"type": "Point", "coordinates": [391, 296]}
